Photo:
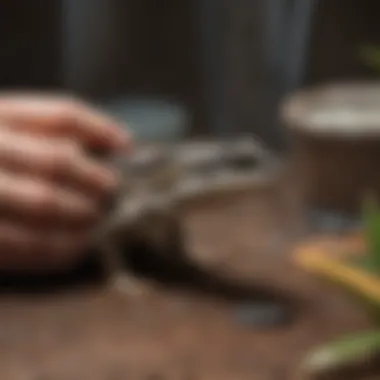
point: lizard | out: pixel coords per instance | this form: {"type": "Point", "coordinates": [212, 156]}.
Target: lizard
{"type": "Point", "coordinates": [159, 182]}
{"type": "Point", "coordinates": [143, 239]}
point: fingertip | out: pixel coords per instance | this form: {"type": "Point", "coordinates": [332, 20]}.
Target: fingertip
{"type": "Point", "coordinates": [108, 180]}
{"type": "Point", "coordinates": [123, 140]}
{"type": "Point", "coordinates": [101, 131]}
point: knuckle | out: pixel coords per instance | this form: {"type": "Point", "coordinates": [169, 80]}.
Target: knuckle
{"type": "Point", "coordinates": [70, 151]}
{"type": "Point", "coordinates": [66, 111]}
{"type": "Point", "coordinates": [66, 156]}
{"type": "Point", "coordinates": [43, 199]}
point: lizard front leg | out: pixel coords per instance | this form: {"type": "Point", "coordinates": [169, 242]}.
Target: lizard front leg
{"type": "Point", "coordinates": [119, 277]}
{"type": "Point", "coordinates": [126, 223]}
{"type": "Point", "coordinates": [134, 203]}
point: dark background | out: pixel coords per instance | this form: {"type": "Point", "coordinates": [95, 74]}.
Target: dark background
{"type": "Point", "coordinates": [157, 45]}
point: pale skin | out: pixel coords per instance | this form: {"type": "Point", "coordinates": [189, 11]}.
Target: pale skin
{"type": "Point", "coordinates": [52, 190]}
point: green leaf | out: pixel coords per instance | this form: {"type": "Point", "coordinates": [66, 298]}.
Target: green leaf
{"type": "Point", "coordinates": [370, 56]}
{"type": "Point", "coordinates": [337, 355]}
{"type": "Point", "coordinates": [371, 218]}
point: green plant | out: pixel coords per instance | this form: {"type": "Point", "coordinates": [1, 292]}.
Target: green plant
{"type": "Point", "coordinates": [371, 219]}
{"type": "Point", "coordinates": [336, 358]}
{"type": "Point", "coordinates": [370, 56]}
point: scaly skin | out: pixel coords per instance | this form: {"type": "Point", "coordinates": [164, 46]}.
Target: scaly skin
{"type": "Point", "coordinates": [159, 182]}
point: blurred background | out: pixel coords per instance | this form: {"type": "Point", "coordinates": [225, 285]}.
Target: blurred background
{"type": "Point", "coordinates": [200, 67]}
{"type": "Point", "coordinates": [176, 69]}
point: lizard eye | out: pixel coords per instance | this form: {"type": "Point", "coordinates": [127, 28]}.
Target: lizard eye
{"type": "Point", "coordinates": [242, 162]}
{"type": "Point", "coordinates": [147, 161]}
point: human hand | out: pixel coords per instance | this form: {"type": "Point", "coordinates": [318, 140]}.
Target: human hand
{"type": "Point", "coordinates": [51, 189]}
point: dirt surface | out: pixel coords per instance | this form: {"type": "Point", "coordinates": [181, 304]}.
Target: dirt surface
{"type": "Point", "coordinates": [89, 333]}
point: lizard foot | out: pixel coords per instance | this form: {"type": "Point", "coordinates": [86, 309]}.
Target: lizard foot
{"type": "Point", "coordinates": [130, 286]}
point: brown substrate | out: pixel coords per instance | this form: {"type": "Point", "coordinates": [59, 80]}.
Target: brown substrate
{"type": "Point", "coordinates": [88, 333]}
